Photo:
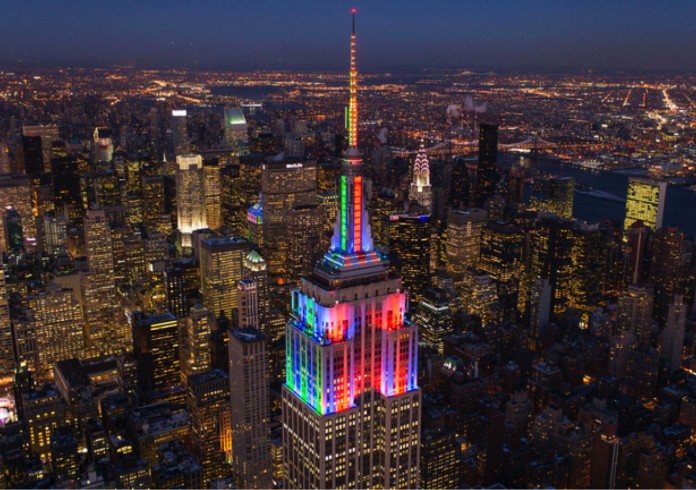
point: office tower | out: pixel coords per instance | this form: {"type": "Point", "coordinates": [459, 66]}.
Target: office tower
{"type": "Point", "coordinates": [15, 192]}
{"type": "Point", "coordinates": [103, 145]}
{"type": "Point", "coordinates": [550, 258]}
{"type": "Point", "coordinates": [42, 199]}
{"type": "Point", "coordinates": [250, 397]}
{"type": "Point", "coordinates": [255, 224]}
{"type": "Point", "coordinates": [420, 190]}
{"type": "Point", "coordinates": [12, 227]}
{"type": "Point", "coordinates": [487, 162]}
{"type": "Point", "coordinates": [190, 197]}
{"type": "Point", "coordinates": [194, 354]}
{"type": "Point", "coordinates": [105, 188]}
{"type": "Point", "coordinates": [241, 184]}
{"type": "Point", "coordinates": [208, 405]}
{"type": "Point", "coordinates": [67, 188]}
{"type": "Point", "coordinates": [133, 204]}
{"type": "Point", "coordinates": [44, 412]}
{"type": "Point", "coordinates": [284, 185]}
{"type": "Point", "coordinates": [180, 132]}
{"type": "Point", "coordinates": [254, 268]}
{"type": "Point", "coordinates": [327, 176]}
{"type": "Point", "coordinates": [479, 295]}
{"type": "Point", "coordinates": [539, 313]}
{"type": "Point", "coordinates": [305, 226]}
{"type": "Point", "coordinates": [57, 324]}
{"type": "Point", "coordinates": [48, 134]}
{"type": "Point", "coordinates": [328, 202]}
{"type": "Point", "coordinates": [463, 184]}
{"type": "Point", "coordinates": [248, 297]}
{"type": "Point", "coordinates": [337, 392]}
{"type": "Point", "coordinates": [263, 143]}
{"type": "Point", "coordinates": [30, 154]}
{"type": "Point", "coordinates": [104, 329]}
{"type": "Point", "coordinates": [635, 313]}
{"type": "Point", "coordinates": [154, 196]}
{"type": "Point", "coordinates": [590, 262]}
{"type": "Point", "coordinates": [156, 348]}
{"type": "Point", "coordinates": [221, 269]}
{"type": "Point", "coordinates": [213, 190]}
{"type": "Point", "coordinates": [501, 258]}
{"type": "Point", "coordinates": [434, 317]}
{"type": "Point", "coordinates": [635, 253]}
{"type": "Point", "coordinates": [382, 206]}
{"type": "Point", "coordinates": [668, 268]}
{"type": "Point", "coordinates": [440, 461]}
{"type": "Point", "coordinates": [553, 195]}
{"type": "Point", "coordinates": [182, 282]}
{"type": "Point", "coordinates": [409, 250]}
{"type": "Point", "coordinates": [673, 336]}
{"type": "Point", "coordinates": [645, 201]}
{"type": "Point", "coordinates": [7, 358]}
{"type": "Point", "coordinates": [464, 240]}
{"type": "Point", "coordinates": [236, 130]}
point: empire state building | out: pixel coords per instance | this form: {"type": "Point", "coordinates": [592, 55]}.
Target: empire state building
{"type": "Point", "coordinates": [351, 404]}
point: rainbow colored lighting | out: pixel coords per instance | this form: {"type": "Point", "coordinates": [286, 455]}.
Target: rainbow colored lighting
{"type": "Point", "coordinates": [325, 366]}
{"type": "Point", "coordinates": [344, 214]}
{"type": "Point", "coordinates": [357, 214]}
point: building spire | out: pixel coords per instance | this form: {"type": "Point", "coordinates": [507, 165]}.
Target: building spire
{"type": "Point", "coordinates": [352, 247]}
{"type": "Point", "coordinates": [353, 107]}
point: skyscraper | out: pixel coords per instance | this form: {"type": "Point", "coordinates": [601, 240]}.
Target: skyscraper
{"type": "Point", "coordinates": [420, 190]}
{"type": "Point", "coordinates": [673, 337]}
{"type": "Point", "coordinates": [669, 256]}
{"type": "Point", "coordinates": [7, 360]}
{"type": "Point", "coordinates": [194, 353]}
{"type": "Point", "coordinates": [213, 191]}
{"type": "Point", "coordinates": [250, 398]}
{"type": "Point", "coordinates": [554, 194]}
{"type": "Point", "coordinates": [99, 288]}
{"type": "Point", "coordinates": [351, 405]}
{"type": "Point", "coordinates": [550, 258]}
{"type": "Point", "coordinates": [156, 348]}
{"type": "Point", "coordinates": [464, 240]}
{"type": "Point", "coordinates": [179, 132]}
{"type": "Point", "coordinates": [254, 268]}
{"type": "Point", "coordinates": [236, 130]}
{"type": "Point", "coordinates": [221, 269]}
{"type": "Point", "coordinates": [635, 313]}
{"type": "Point", "coordinates": [645, 201]}
{"type": "Point", "coordinates": [284, 184]}
{"type": "Point", "coordinates": [409, 247]}
{"type": "Point", "coordinates": [488, 162]}
{"type": "Point", "coordinates": [190, 197]}
{"type": "Point", "coordinates": [57, 321]}
{"type": "Point", "coordinates": [208, 405]}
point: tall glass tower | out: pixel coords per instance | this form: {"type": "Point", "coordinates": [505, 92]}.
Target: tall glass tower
{"type": "Point", "coordinates": [351, 404]}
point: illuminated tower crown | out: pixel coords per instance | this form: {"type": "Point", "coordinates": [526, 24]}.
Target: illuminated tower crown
{"type": "Point", "coordinates": [352, 248]}
{"type": "Point", "coordinates": [421, 191]}
{"type": "Point", "coordinates": [351, 356]}
{"type": "Point", "coordinates": [421, 168]}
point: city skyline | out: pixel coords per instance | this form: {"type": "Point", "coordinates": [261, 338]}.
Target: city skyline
{"type": "Point", "coordinates": [401, 36]}
{"type": "Point", "coordinates": [285, 279]}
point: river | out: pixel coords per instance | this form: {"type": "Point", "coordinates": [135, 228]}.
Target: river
{"type": "Point", "coordinates": [680, 203]}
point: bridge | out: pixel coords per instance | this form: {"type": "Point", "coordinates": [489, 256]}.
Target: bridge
{"type": "Point", "coordinates": [448, 147]}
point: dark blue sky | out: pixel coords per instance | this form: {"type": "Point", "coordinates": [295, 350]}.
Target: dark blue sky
{"type": "Point", "coordinates": [312, 34]}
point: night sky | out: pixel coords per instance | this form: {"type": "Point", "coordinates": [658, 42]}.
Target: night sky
{"type": "Point", "coordinates": [313, 34]}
